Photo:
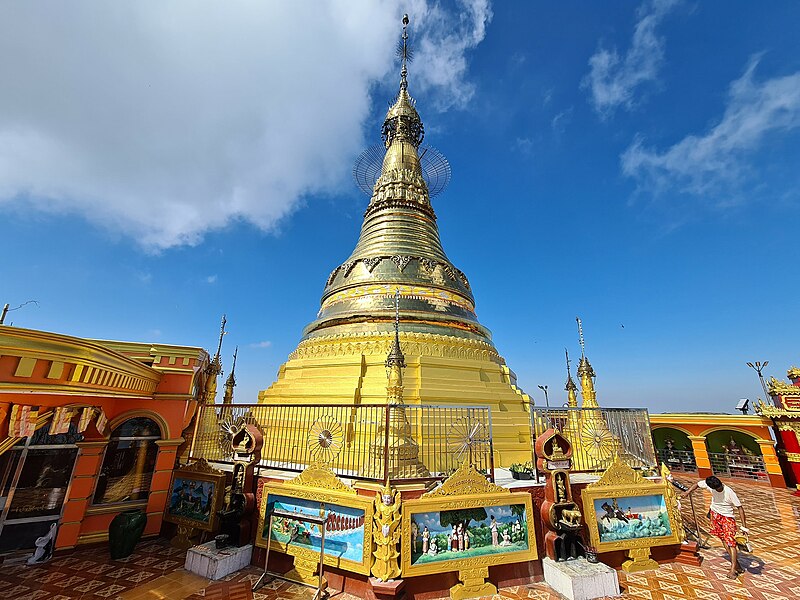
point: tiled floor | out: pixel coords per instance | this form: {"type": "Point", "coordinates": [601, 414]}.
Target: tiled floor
{"type": "Point", "coordinates": [154, 571]}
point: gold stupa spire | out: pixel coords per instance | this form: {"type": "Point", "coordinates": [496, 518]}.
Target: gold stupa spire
{"type": "Point", "coordinates": [214, 368]}
{"type": "Point", "coordinates": [586, 373]}
{"type": "Point", "coordinates": [342, 356]}
{"type": "Point", "coordinates": [570, 387]}
{"type": "Point", "coordinates": [403, 451]}
{"type": "Point", "coordinates": [399, 247]}
{"type": "Point", "coordinates": [395, 362]}
{"type": "Point", "coordinates": [230, 383]}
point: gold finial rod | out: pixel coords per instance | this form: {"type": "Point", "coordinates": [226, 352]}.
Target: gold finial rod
{"type": "Point", "coordinates": [222, 332]}
{"type": "Point", "coordinates": [404, 55]}
{"type": "Point", "coordinates": [580, 336]}
{"type": "Point", "coordinates": [396, 354]}
{"type": "Point", "coordinates": [397, 315]}
{"type": "Point", "coordinates": [235, 353]}
{"type": "Point", "coordinates": [566, 353]}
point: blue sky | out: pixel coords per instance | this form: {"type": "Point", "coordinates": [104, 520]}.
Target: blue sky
{"type": "Point", "coordinates": [632, 163]}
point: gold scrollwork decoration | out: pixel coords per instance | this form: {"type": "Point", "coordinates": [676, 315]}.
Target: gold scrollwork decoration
{"type": "Point", "coordinates": [464, 482]}
{"type": "Point", "coordinates": [318, 475]}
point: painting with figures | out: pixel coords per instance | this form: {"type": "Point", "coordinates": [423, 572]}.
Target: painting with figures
{"type": "Point", "coordinates": [195, 496]}
{"type": "Point", "coordinates": [468, 533]}
{"type": "Point", "coordinates": [344, 527]}
{"type": "Point", "coordinates": [192, 499]}
{"type": "Point", "coordinates": [627, 518]}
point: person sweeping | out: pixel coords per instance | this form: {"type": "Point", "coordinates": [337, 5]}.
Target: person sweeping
{"type": "Point", "coordinates": [723, 523]}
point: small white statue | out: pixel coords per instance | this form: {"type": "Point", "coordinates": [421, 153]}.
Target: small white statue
{"type": "Point", "coordinates": [44, 547]}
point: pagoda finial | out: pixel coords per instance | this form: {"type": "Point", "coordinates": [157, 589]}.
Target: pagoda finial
{"type": "Point", "coordinates": [586, 373]}
{"type": "Point", "coordinates": [402, 122]}
{"type": "Point", "coordinates": [396, 354]}
{"type": "Point", "coordinates": [230, 383]}
{"type": "Point", "coordinates": [214, 368]}
{"type": "Point", "coordinates": [570, 387]}
{"type": "Point", "coordinates": [222, 332]}
{"type": "Point", "coordinates": [405, 53]}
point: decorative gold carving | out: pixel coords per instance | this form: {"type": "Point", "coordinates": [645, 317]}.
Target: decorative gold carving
{"type": "Point", "coordinates": [773, 412]}
{"type": "Point", "coordinates": [319, 475]}
{"type": "Point", "coordinates": [414, 344]}
{"type": "Point", "coordinates": [305, 571]}
{"type": "Point", "coordinates": [639, 560]}
{"type": "Point", "coordinates": [401, 261]}
{"type": "Point", "coordinates": [465, 481]}
{"type": "Point", "coordinates": [793, 373]}
{"type": "Point", "coordinates": [671, 499]}
{"type": "Point", "coordinates": [789, 426]}
{"type": "Point", "coordinates": [386, 534]}
{"type": "Point", "coordinates": [781, 388]}
{"type": "Point", "coordinates": [200, 466]}
{"type": "Point", "coordinates": [619, 473]}
{"type": "Point", "coordinates": [183, 540]}
{"type": "Point", "coordinates": [793, 457]}
{"type": "Point", "coordinates": [473, 584]}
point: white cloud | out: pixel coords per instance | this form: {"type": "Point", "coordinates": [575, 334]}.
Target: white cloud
{"type": "Point", "coordinates": [211, 279]}
{"type": "Point", "coordinates": [714, 163]}
{"type": "Point", "coordinates": [613, 79]}
{"type": "Point", "coordinates": [166, 120]}
{"type": "Point", "coordinates": [264, 344]}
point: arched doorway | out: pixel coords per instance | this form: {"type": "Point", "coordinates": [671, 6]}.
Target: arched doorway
{"type": "Point", "coordinates": [735, 453]}
{"type": "Point", "coordinates": [674, 449]}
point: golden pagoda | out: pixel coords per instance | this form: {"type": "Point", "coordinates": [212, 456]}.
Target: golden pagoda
{"type": "Point", "coordinates": [450, 357]}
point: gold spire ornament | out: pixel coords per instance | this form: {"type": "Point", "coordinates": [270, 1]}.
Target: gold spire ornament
{"type": "Point", "coordinates": [586, 373]}
{"type": "Point", "coordinates": [403, 450]}
{"type": "Point", "coordinates": [214, 368]}
{"type": "Point", "coordinates": [570, 387]}
{"type": "Point", "coordinates": [230, 383]}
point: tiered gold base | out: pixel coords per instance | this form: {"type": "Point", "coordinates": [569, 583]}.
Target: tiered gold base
{"type": "Point", "coordinates": [347, 369]}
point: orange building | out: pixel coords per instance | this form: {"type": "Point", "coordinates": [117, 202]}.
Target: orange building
{"type": "Point", "coordinates": [729, 446]}
{"type": "Point", "coordinates": [108, 420]}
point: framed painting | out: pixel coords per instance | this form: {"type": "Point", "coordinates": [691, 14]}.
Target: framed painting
{"type": "Point", "coordinates": [625, 511]}
{"type": "Point", "coordinates": [347, 522]}
{"type": "Point", "coordinates": [195, 496]}
{"type": "Point", "coordinates": [455, 533]}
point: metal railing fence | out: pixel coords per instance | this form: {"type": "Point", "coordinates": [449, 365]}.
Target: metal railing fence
{"type": "Point", "coordinates": [597, 434]}
{"type": "Point", "coordinates": [678, 461]}
{"type": "Point", "coordinates": [740, 466]}
{"type": "Point", "coordinates": [372, 442]}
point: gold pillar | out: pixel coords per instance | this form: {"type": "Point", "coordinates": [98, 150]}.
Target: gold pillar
{"type": "Point", "coordinates": [701, 458]}
{"type": "Point", "coordinates": [771, 463]}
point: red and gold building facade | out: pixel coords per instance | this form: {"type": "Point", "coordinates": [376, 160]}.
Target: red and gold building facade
{"type": "Point", "coordinates": [785, 415]}
{"type": "Point", "coordinates": [127, 405]}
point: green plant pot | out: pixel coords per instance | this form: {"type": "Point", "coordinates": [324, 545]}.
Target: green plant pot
{"type": "Point", "coordinates": [125, 532]}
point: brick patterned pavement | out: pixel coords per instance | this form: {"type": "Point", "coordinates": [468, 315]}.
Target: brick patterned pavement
{"type": "Point", "coordinates": [773, 569]}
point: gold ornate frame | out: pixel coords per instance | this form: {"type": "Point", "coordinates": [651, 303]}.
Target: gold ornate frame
{"type": "Point", "coordinates": [318, 485]}
{"type": "Point", "coordinates": [466, 488]}
{"type": "Point", "coordinates": [621, 481]}
{"type": "Point", "coordinates": [199, 470]}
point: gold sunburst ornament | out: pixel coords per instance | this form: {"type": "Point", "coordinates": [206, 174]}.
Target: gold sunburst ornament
{"type": "Point", "coordinates": [325, 437]}
{"type": "Point", "coordinates": [597, 441]}
{"type": "Point", "coordinates": [462, 437]}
